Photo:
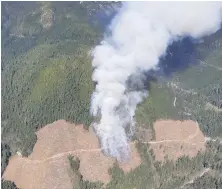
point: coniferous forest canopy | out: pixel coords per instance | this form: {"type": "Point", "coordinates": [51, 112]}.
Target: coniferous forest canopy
{"type": "Point", "coordinates": [46, 76]}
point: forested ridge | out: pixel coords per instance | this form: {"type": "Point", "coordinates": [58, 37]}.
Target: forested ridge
{"type": "Point", "coordinates": [46, 76]}
{"type": "Point", "coordinates": [46, 68]}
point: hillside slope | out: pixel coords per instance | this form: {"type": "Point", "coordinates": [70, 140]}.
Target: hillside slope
{"type": "Point", "coordinates": [46, 76]}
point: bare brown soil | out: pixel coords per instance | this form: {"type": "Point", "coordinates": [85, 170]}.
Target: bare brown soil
{"type": "Point", "coordinates": [175, 139]}
{"type": "Point", "coordinates": [48, 166]}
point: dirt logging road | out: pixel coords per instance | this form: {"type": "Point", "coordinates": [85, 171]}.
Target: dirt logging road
{"type": "Point", "coordinates": [56, 141]}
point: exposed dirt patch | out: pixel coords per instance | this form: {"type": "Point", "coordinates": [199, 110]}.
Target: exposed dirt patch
{"type": "Point", "coordinates": [48, 166]}
{"type": "Point", "coordinates": [28, 174]}
{"type": "Point", "coordinates": [175, 139]}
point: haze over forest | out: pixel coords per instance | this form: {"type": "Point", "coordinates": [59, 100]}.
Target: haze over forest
{"type": "Point", "coordinates": [159, 107]}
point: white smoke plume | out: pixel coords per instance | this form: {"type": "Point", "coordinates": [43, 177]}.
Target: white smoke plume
{"type": "Point", "coordinates": [139, 36]}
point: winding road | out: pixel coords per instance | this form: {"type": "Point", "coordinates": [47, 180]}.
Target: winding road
{"type": "Point", "coordinates": [59, 155]}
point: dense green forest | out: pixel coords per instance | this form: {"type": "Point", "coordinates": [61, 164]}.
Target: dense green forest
{"type": "Point", "coordinates": [46, 71]}
{"type": "Point", "coordinates": [8, 185]}
{"type": "Point", "coordinates": [46, 68]}
{"type": "Point", "coordinates": [46, 76]}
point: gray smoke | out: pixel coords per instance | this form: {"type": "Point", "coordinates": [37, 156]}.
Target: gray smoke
{"type": "Point", "coordinates": [139, 36]}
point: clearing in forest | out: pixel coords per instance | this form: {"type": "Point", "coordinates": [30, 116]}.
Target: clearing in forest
{"type": "Point", "coordinates": [48, 165]}
{"type": "Point", "coordinates": [177, 138]}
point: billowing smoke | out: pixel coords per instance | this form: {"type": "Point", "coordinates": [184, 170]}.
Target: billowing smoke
{"type": "Point", "coordinates": [138, 36]}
